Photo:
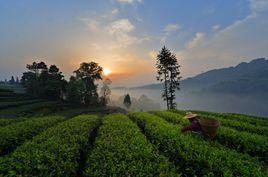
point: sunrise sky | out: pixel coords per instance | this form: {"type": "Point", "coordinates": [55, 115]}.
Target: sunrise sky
{"type": "Point", "coordinates": [124, 36]}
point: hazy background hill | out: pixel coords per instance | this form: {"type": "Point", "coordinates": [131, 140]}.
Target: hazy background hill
{"type": "Point", "coordinates": [249, 77]}
{"type": "Point", "coordinates": [241, 89]}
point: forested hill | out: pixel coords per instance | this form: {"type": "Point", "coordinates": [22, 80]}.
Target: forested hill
{"type": "Point", "coordinates": [245, 78]}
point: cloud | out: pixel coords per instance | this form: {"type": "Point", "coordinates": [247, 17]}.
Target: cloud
{"type": "Point", "coordinates": [121, 30]}
{"type": "Point", "coordinates": [129, 1]}
{"type": "Point", "coordinates": [216, 27]}
{"type": "Point", "coordinates": [120, 26]}
{"type": "Point", "coordinates": [114, 11]}
{"type": "Point", "coordinates": [96, 22]}
{"type": "Point", "coordinates": [197, 40]}
{"type": "Point", "coordinates": [172, 28]}
{"type": "Point", "coordinates": [258, 5]}
{"type": "Point", "coordinates": [241, 41]}
{"type": "Point", "coordinates": [93, 25]}
{"type": "Point", "coordinates": [169, 29]}
{"type": "Point", "coordinates": [117, 33]}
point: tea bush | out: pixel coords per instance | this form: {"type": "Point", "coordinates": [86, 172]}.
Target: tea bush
{"type": "Point", "coordinates": [195, 157]}
{"type": "Point", "coordinates": [13, 135]}
{"type": "Point", "coordinates": [253, 144]}
{"type": "Point", "coordinates": [54, 152]}
{"type": "Point", "coordinates": [122, 150]}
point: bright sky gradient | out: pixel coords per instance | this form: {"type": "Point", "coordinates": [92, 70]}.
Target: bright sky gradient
{"type": "Point", "coordinates": [124, 35]}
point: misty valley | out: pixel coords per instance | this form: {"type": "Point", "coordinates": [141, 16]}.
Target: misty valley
{"type": "Point", "coordinates": [215, 102]}
{"type": "Point", "coordinates": [239, 89]}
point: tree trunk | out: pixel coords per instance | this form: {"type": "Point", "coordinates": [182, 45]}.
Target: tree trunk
{"type": "Point", "coordinates": [166, 91]}
{"type": "Point", "coordinates": [171, 92]}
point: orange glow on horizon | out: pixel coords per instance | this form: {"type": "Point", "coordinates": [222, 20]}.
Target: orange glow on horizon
{"type": "Point", "coordinates": [106, 71]}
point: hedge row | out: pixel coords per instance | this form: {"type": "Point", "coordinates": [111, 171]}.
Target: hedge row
{"type": "Point", "coordinates": [249, 116]}
{"type": "Point", "coordinates": [13, 135]}
{"type": "Point", "coordinates": [9, 104]}
{"type": "Point", "coordinates": [5, 121]}
{"type": "Point", "coordinates": [238, 125]}
{"type": "Point", "coordinates": [253, 144]}
{"type": "Point", "coordinates": [259, 121]}
{"type": "Point", "coordinates": [54, 152]}
{"type": "Point", "coordinates": [20, 110]}
{"type": "Point", "coordinates": [196, 157]}
{"type": "Point", "coordinates": [122, 150]}
{"type": "Point", "coordinates": [242, 126]}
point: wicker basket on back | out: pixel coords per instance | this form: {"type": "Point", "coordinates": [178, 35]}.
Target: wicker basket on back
{"type": "Point", "coordinates": [209, 126]}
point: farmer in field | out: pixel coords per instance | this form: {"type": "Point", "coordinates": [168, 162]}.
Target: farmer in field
{"type": "Point", "coordinates": [194, 123]}
{"type": "Point", "coordinates": [204, 126]}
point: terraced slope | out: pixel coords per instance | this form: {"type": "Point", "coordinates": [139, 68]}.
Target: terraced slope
{"type": "Point", "coordinates": [14, 135]}
{"type": "Point", "coordinates": [137, 144]}
{"type": "Point", "coordinates": [192, 155]}
{"type": "Point", "coordinates": [6, 121]}
{"type": "Point", "coordinates": [55, 152]}
{"type": "Point", "coordinates": [244, 142]}
{"type": "Point", "coordinates": [122, 150]}
{"type": "Point", "coordinates": [242, 124]}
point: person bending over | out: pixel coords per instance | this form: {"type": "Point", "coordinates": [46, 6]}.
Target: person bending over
{"type": "Point", "coordinates": [194, 123]}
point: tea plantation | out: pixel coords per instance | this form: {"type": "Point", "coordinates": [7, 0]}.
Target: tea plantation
{"type": "Point", "coordinates": [81, 142]}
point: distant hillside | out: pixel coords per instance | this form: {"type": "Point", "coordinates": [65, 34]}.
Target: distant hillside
{"type": "Point", "coordinates": [244, 78]}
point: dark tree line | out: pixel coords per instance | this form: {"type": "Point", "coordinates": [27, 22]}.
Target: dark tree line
{"type": "Point", "coordinates": [12, 81]}
{"type": "Point", "coordinates": [43, 82]}
{"type": "Point", "coordinates": [168, 72]}
{"type": "Point", "coordinates": [49, 83]}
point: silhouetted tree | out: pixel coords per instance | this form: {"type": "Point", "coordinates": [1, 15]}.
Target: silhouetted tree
{"type": "Point", "coordinates": [12, 80]}
{"type": "Point", "coordinates": [127, 101]}
{"type": "Point", "coordinates": [84, 82]}
{"type": "Point", "coordinates": [168, 72]}
{"type": "Point", "coordinates": [37, 68]}
{"type": "Point", "coordinates": [17, 80]}
{"type": "Point", "coordinates": [75, 90]}
{"type": "Point", "coordinates": [54, 83]}
{"type": "Point", "coordinates": [30, 82]}
{"type": "Point", "coordinates": [31, 79]}
{"type": "Point", "coordinates": [105, 92]}
{"type": "Point", "coordinates": [42, 82]}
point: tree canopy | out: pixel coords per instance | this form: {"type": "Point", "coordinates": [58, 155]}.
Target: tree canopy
{"type": "Point", "coordinates": [168, 72]}
{"type": "Point", "coordinates": [82, 87]}
{"type": "Point", "coordinates": [42, 82]}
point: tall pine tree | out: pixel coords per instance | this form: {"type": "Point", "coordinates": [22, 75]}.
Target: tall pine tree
{"type": "Point", "coordinates": [168, 72]}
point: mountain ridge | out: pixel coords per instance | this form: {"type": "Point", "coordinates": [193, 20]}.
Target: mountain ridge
{"type": "Point", "coordinates": [246, 77]}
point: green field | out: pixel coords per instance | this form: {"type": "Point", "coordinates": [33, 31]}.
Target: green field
{"type": "Point", "coordinates": [38, 140]}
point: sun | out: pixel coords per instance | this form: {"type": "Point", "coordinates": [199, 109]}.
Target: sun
{"type": "Point", "coordinates": [106, 71]}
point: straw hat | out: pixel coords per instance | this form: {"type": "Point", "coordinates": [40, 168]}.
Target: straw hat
{"type": "Point", "coordinates": [190, 115]}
